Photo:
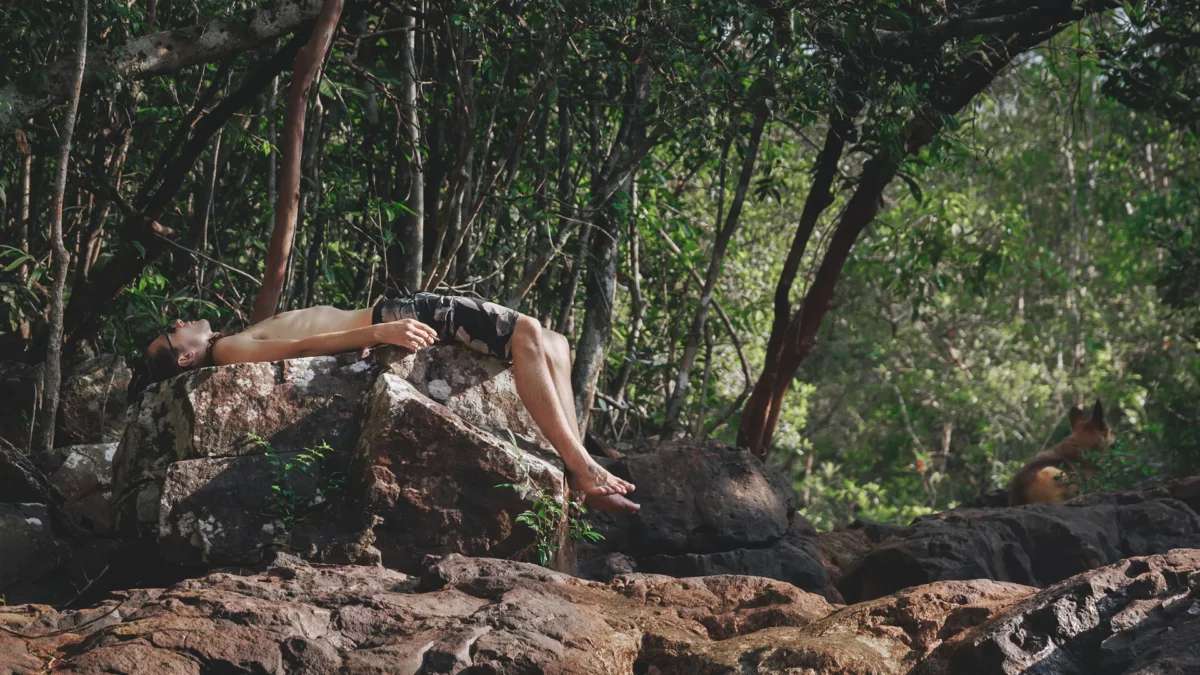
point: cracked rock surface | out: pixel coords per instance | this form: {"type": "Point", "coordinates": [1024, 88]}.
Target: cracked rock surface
{"type": "Point", "coordinates": [486, 615]}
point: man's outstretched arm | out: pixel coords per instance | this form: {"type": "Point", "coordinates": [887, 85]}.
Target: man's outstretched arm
{"type": "Point", "coordinates": [242, 348]}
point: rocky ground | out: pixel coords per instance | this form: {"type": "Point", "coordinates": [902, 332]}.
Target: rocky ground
{"type": "Point", "coordinates": [200, 532]}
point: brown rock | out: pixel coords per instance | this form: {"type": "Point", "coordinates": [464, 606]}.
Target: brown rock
{"type": "Point", "coordinates": [434, 479]}
{"type": "Point", "coordinates": [481, 614]}
{"type": "Point", "coordinates": [881, 637]}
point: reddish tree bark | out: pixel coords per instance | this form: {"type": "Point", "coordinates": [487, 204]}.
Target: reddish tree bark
{"type": "Point", "coordinates": [955, 91]}
{"type": "Point", "coordinates": [87, 301]}
{"type": "Point", "coordinates": [691, 349]}
{"type": "Point", "coordinates": [286, 208]}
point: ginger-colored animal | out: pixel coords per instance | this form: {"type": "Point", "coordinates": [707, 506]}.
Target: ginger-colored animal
{"type": "Point", "coordinates": [1048, 476]}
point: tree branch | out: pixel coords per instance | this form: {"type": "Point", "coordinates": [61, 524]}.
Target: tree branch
{"type": "Point", "coordinates": [154, 55]}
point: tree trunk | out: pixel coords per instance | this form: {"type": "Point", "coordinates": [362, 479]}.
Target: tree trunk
{"type": "Point", "coordinates": [23, 224]}
{"type": "Point", "coordinates": [949, 95]}
{"type": "Point", "coordinates": [405, 253]}
{"type": "Point", "coordinates": [307, 62]}
{"type": "Point", "coordinates": [617, 174]}
{"type": "Point", "coordinates": [637, 308]}
{"type": "Point", "coordinates": [52, 369]}
{"type": "Point", "coordinates": [820, 196]}
{"type": "Point", "coordinates": [688, 360]}
{"type": "Point", "coordinates": [600, 293]}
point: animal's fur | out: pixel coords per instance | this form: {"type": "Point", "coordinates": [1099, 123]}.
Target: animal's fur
{"type": "Point", "coordinates": [1048, 476]}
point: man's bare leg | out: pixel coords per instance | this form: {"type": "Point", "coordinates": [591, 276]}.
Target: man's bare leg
{"type": "Point", "coordinates": [537, 391]}
{"type": "Point", "coordinates": [558, 361]}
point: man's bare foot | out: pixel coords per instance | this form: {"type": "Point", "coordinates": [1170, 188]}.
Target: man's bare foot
{"type": "Point", "coordinates": [611, 504]}
{"type": "Point", "coordinates": [596, 480]}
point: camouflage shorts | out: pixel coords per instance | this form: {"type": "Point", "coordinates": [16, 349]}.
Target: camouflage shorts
{"type": "Point", "coordinates": [483, 326]}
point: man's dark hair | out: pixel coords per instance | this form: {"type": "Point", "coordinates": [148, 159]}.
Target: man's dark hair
{"type": "Point", "coordinates": [156, 366]}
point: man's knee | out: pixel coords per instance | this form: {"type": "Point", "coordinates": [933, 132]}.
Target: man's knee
{"type": "Point", "coordinates": [557, 346]}
{"type": "Point", "coordinates": [527, 334]}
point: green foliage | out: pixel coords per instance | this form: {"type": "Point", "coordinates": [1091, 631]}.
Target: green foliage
{"type": "Point", "coordinates": [1043, 250]}
{"type": "Point", "coordinates": [546, 518]}
{"type": "Point", "coordinates": [1122, 466]}
{"type": "Point", "coordinates": [290, 504]}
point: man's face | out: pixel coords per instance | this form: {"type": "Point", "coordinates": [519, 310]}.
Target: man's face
{"type": "Point", "coordinates": [188, 340]}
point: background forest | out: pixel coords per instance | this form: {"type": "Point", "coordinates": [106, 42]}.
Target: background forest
{"type": "Point", "coordinates": [885, 243]}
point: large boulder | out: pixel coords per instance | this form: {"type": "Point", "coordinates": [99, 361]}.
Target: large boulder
{"type": "Point", "coordinates": [479, 389]}
{"type": "Point", "coordinates": [92, 401]}
{"type": "Point", "coordinates": [793, 558]}
{"type": "Point", "coordinates": [232, 510]}
{"type": "Point", "coordinates": [1139, 615]}
{"type": "Point", "coordinates": [231, 411]}
{"type": "Point", "coordinates": [705, 497]}
{"type": "Point", "coordinates": [707, 508]}
{"type": "Point", "coordinates": [217, 465]}
{"type": "Point", "coordinates": [1035, 545]}
{"type": "Point", "coordinates": [441, 485]}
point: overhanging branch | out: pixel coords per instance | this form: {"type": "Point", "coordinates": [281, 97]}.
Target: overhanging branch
{"type": "Point", "coordinates": [154, 55]}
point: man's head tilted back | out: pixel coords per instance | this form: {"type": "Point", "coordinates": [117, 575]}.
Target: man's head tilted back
{"type": "Point", "coordinates": [182, 346]}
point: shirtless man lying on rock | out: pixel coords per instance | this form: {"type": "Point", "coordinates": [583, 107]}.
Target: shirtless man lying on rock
{"type": "Point", "coordinates": [540, 358]}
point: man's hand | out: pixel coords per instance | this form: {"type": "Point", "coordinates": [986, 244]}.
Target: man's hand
{"type": "Point", "coordinates": [407, 333]}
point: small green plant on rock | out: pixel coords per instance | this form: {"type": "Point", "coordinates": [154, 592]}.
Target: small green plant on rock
{"type": "Point", "coordinates": [546, 516]}
{"type": "Point", "coordinates": [289, 504]}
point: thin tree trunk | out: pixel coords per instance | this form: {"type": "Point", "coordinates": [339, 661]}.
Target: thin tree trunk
{"type": "Point", "coordinates": [25, 328]}
{"type": "Point", "coordinates": [617, 174]}
{"type": "Point", "coordinates": [637, 308]}
{"type": "Point", "coordinates": [600, 293]}
{"type": "Point", "coordinates": [406, 252]}
{"type": "Point", "coordinates": [688, 360]}
{"type": "Point", "coordinates": [820, 196]}
{"type": "Point", "coordinates": [307, 62]}
{"type": "Point", "coordinates": [273, 140]}
{"type": "Point", "coordinates": [52, 369]}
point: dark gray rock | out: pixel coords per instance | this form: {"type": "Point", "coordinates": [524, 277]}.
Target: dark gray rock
{"type": "Point", "coordinates": [217, 412]}
{"type": "Point", "coordinates": [704, 497]}
{"type": "Point", "coordinates": [1139, 615]}
{"type": "Point", "coordinates": [92, 403]}
{"type": "Point", "coordinates": [28, 547]}
{"type": "Point", "coordinates": [1035, 545]}
{"type": "Point", "coordinates": [794, 558]}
